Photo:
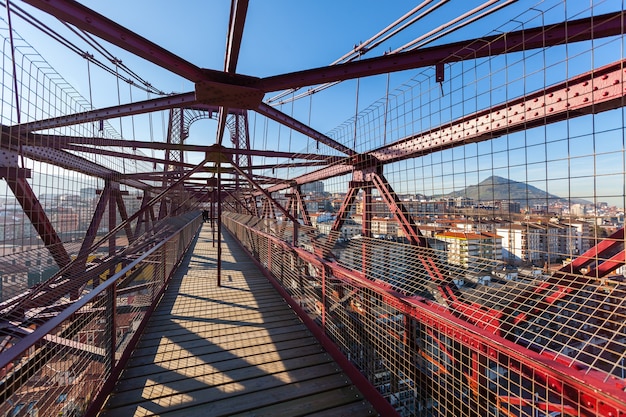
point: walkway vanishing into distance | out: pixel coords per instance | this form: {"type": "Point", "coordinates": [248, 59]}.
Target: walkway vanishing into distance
{"type": "Point", "coordinates": [237, 349]}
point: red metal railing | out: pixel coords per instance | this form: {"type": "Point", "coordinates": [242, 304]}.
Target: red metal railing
{"type": "Point", "coordinates": [62, 358]}
{"type": "Point", "coordinates": [426, 359]}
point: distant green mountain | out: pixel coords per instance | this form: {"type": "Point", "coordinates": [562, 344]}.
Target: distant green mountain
{"type": "Point", "coordinates": [498, 188]}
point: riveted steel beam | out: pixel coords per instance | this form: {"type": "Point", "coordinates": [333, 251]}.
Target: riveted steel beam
{"type": "Point", "coordinates": [595, 27]}
{"type": "Point", "coordinates": [139, 107]}
{"type": "Point", "coordinates": [589, 93]}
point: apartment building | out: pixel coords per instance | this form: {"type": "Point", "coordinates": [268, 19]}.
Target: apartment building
{"type": "Point", "coordinates": [470, 249]}
{"type": "Point", "coordinates": [537, 243]}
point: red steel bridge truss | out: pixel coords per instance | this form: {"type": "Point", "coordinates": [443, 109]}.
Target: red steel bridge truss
{"type": "Point", "coordinates": [394, 311]}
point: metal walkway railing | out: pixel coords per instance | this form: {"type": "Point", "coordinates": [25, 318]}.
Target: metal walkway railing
{"type": "Point", "coordinates": [229, 350]}
{"type": "Point", "coordinates": [66, 340]}
{"type": "Point", "coordinates": [420, 353]}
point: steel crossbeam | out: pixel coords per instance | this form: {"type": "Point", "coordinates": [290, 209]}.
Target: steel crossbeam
{"type": "Point", "coordinates": [139, 107]}
{"type": "Point", "coordinates": [39, 219]}
{"type": "Point", "coordinates": [239, 91]}
{"type": "Point", "coordinates": [592, 92]}
{"type": "Point", "coordinates": [523, 40]}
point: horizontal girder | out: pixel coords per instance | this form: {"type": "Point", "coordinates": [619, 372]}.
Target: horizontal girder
{"type": "Point", "coordinates": [599, 90]}
{"type": "Point", "coordinates": [523, 40]}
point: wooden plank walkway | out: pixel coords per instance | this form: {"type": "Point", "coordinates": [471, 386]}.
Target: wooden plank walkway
{"type": "Point", "coordinates": [229, 351]}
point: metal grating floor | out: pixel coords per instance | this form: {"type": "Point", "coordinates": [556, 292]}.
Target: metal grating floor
{"type": "Point", "coordinates": [232, 350]}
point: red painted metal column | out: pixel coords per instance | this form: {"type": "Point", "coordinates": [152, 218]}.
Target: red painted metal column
{"type": "Point", "coordinates": [121, 206]}
{"type": "Point", "coordinates": [268, 209]}
{"type": "Point", "coordinates": [219, 224]}
{"type": "Point", "coordinates": [344, 211]}
{"type": "Point", "coordinates": [292, 208]}
{"type": "Point", "coordinates": [401, 214]}
{"type": "Point", "coordinates": [111, 292]}
{"type": "Point", "coordinates": [254, 208]}
{"type": "Point", "coordinates": [92, 231]}
{"type": "Point", "coordinates": [296, 226]}
{"type": "Point", "coordinates": [144, 217]}
{"type": "Point", "coordinates": [112, 220]}
{"type": "Point", "coordinates": [324, 299]}
{"type": "Point", "coordinates": [16, 179]}
{"type": "Point", "coordinates": [366, 227]}
{"type": "Point", "coordinates": [112, 304]}
{"type": "Point", "coordinates": [306, 219]}
{"type": "Point", "coordinates": [269, 255]}
{"type": "Point", "coordinates": [163, 206]}
{"type": "Point", "coordinates": [212, 216]}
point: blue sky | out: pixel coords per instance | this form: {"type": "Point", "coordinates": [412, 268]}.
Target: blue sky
{"type": "Point", "coordinates": [279, 37]}
{"type": "Point", "coordinates": [284, 36]}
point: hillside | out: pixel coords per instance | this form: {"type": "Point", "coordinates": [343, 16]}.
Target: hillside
{"type": "Point", "coordinates": [497, 188]}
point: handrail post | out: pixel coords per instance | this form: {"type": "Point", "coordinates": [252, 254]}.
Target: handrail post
{"type": "Point", "coordinates": [219, 224]}
{"type": "Point", "coordinates": [111, 304]}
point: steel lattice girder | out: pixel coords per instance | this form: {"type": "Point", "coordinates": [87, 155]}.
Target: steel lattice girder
{"type": "Point", "coordinates": [160, 103]}
{"type": "Point", "coordinates": [66, 160]}
{"type": "Point", "coordinates": [592, 92]}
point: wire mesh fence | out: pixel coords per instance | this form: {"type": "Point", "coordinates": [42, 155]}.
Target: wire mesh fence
{"type": "Point", "coordinates": [467, 256]}
{"type": "Point", "coordinates": [471, 260]}
{"type": "Point", "coordinates": [472, 356]}
{"type": "Point", "coordinates": [77, 340]}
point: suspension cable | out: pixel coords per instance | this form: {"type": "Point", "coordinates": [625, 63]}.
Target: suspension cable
{"type": "Point", "coordinates": [439, 32]}
{"type": "Point", "coordinates": [27, 17]}
{"type": "Point", "coordinates": [93, 126]}
{"type": "Point", "coordinates": [373, 42]}
{"type": "Point", "coordinates": [364, 47]}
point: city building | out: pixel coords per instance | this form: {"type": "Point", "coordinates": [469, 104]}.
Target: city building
{"type": "Point", "coordinates": [474, 251]}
